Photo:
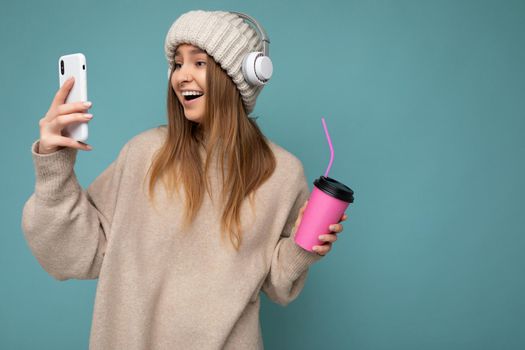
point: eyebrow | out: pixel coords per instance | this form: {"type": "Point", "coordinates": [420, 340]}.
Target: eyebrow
{"type": "Point", "coordinates": [192, 51]}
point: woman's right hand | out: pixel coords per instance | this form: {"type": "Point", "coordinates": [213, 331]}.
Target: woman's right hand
{"type": "Point", "coordinates": [59, 116]}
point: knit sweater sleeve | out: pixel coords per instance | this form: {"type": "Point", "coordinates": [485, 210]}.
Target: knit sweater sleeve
{"type": "Point", "coordinates": [65, 226]}
{"type": "Point", "coordinates": [290, 262]}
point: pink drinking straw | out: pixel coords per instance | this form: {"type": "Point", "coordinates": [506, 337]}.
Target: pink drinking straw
{"type": "Point", "coordinates": [331, 148]}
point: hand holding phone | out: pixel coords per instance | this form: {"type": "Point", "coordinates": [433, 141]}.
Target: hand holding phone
{"type": "Point", "coordinates": [59, 116]}
{"type": "Point", "coordinates": [65, 123]}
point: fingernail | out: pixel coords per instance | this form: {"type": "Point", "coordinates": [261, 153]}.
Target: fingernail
{"type": "Point", "coordinates": [332, 227]}
{"type": "Point", "coordinates": [88, 116]}
{"type": "Point", "coordinates": [87, 104]}
{"type": "Point", "coordinates": [321, 237]}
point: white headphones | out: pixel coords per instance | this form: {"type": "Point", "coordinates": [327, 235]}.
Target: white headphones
{"type": "Point", "coordinates": [257, 67]}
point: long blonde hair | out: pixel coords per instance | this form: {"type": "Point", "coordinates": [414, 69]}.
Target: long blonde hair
{"type": "Point", "coordinates": [225, 129]}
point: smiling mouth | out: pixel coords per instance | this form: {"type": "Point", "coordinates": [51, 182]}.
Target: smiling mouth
{"type": "Point", "coordinates": [192, 97]}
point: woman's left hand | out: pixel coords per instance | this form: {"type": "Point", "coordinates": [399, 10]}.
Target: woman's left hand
{"type": "Point", "coordinates": [329, 238]}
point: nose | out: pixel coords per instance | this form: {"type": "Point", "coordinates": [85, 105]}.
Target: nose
{"type": "Point", "coordinates": [182, 75]}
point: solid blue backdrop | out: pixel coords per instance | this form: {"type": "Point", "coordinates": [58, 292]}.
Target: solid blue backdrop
{"type": "Point", "coordinates": [424, 101]}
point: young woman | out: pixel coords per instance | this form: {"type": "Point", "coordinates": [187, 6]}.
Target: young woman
{"type": "Point", "coordinates": [192, 220]}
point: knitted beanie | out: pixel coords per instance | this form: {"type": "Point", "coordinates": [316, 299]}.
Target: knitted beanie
{"type": "Point", "coordinates": [224, 36]}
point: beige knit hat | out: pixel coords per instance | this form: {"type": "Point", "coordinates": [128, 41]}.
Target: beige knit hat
{"type": "Point", "coordinates": [225, 37]}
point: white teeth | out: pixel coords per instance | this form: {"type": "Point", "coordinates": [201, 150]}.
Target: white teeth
{"type": "Point", "coordinates": [190, 93]}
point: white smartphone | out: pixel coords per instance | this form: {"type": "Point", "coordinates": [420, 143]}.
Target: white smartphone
{"type": "Point", "coordinates": [75, 65]}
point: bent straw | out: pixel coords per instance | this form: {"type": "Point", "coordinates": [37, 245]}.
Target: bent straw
{"type": "Point", "coordinates": [331, 147]}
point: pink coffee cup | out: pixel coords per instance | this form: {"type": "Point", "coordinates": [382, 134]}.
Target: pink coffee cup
{"type": "Point", "coordinates": [326, 205]}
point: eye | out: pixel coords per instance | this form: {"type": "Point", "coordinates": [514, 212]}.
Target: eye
{"type": "Point", "coordinates": [200, 63]}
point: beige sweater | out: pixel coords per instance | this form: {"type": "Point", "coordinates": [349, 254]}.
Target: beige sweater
{"type": "Point", "coordinates": [159, 287]}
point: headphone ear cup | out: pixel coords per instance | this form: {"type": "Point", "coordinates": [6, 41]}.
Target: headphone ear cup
{"type": "Point", "coordinates": [263, 68]}
{"type": "Point", "coordinates": [257, 68]}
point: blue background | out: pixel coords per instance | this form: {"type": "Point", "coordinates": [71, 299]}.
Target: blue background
{"type": "Point", "coordinates": [425, 104]}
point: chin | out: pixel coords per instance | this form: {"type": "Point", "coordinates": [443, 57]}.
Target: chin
{"type": "Point", "coordinates": [193, 118]}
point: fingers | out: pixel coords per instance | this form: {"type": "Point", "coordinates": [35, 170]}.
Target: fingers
{"type": "Point", "coordinates": [69, 142]}
{"type": "Point", "coordinates": [72, 107]}
{"type": "Point", "coordinates": [51, 136]}
{"type": "Point", "coordinates": [62, 93]}
{"type": "Point", "coordinates": [322, 249]}
{"type": "Point", "coordinates": [328, 238]}
{"type": "Point", "coordinates": [62, 121]}
{"type": "Point", "coordinates": [59, 116]}
{"type": "Point", "coordinates": [55, 143]}
{"type": "Point", "coordinates": [59, 107]}
{"type": "Point", "coordinates": [336, 228]}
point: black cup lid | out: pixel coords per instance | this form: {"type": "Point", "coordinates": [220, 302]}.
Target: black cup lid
{"type": "Point", "coordinates": [335, 189]}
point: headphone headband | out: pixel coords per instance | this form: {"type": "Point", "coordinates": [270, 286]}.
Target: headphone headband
{"type": "Point", "coordinates": [262, 33]}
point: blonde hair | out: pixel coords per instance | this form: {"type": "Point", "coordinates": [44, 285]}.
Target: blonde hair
{"type": "Point", "coordinates": [228, 131]}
